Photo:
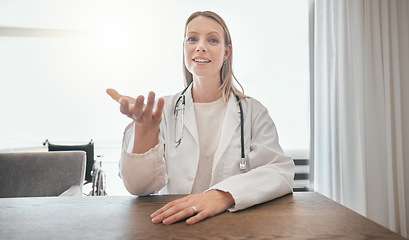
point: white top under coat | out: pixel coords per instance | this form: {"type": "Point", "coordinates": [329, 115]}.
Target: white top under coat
{"type": "Point", "coordinates": [208, 116]}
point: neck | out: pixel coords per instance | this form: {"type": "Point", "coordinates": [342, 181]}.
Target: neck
{"type": "Point", "coordinates": [206, 90]}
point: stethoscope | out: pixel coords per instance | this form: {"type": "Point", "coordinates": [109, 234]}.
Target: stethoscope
{"type": "Point", "coordinates": [180, 106]}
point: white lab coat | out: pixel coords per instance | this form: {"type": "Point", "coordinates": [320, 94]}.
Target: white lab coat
{"type": "Point", "coordinates": [165, 169]}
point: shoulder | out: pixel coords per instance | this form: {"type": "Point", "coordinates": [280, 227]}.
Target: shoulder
{"type": "Point", "coordinates": [253, 105]}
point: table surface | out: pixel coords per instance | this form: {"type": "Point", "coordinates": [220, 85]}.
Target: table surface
{"type": "Point", "coordinates": [294, 216]}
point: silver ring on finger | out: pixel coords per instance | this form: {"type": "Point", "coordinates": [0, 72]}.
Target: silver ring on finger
{"type": "Point", "coordinates": [194, 209]}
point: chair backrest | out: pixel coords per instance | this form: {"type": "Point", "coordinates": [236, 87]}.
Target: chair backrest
{"type": "Point", "coordinates": [302, 170]}
{"type": "Point", "coordinates": [39, 174]}
{"type": "Point", "coordinates": [302, 175]}
{"type": "Point", "coordinates": [88, 148]}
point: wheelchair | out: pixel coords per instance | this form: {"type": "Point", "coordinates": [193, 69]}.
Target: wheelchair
{"type": "Point", "coordinates": [93, 173]}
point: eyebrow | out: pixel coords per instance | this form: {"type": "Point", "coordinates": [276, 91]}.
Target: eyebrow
{"type": "Point", "coordinates": [210, 33]}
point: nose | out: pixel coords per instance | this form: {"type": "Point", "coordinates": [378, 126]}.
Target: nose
{"type": "Point", "coordinates": [200, 47]}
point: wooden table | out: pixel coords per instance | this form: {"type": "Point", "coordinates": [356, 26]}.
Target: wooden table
{"type": "Point", "coordinates": [294, 216]}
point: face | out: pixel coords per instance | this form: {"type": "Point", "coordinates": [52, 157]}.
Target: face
{"type": "Point", "coordinates": [204, 48]}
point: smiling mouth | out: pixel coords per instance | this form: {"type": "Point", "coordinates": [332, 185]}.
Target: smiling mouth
{"type": "Point", "coordinates": [199, 60]}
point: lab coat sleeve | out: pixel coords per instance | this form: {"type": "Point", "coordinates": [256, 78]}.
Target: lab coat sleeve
{"type": "Point", "coordinates": [142, 174]}
{"type": "Point", "coordinates": [270, 172]}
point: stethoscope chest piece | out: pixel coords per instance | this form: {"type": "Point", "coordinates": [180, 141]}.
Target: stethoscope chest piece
{"type": "Point", "coordinates": [243, 165]}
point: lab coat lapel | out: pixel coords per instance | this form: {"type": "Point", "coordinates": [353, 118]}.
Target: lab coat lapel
{"type": "Point", "coordinates": [230, 123]}
{"type": "Point", "coordinates": [190, 118]}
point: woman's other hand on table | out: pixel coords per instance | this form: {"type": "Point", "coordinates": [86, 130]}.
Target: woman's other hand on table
{"type": "Point", "coordinates": [195, 207]}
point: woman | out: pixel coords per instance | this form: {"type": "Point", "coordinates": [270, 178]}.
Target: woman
{"type": "Point", "coordinates": [198, 152]}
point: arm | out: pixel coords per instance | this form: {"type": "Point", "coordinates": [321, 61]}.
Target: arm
{"type": "Point", "coordinates": [142, 165]}
{"type": "Point", "coordinates": [271, 172]}
{"type": "Point", "coordinates": [142, 174]}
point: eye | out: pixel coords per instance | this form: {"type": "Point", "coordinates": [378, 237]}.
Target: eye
{"type": "Point", "coordinates": [191, 39]}
{"type": "Point", "coordinates": [213, 40]}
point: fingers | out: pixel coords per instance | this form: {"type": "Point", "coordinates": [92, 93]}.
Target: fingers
{"type": "Point", "coordinates": [124, 107]}
{"type": "Point", "coordinates": [114, 94]}
{"type": "Point", "coordinates": [126, 103]}
{"type": "Point", "coordinates": [179, 212]}
{"type": "Point", "coordinates": [173, 212]}
{"type": "Point", "coordinates": [178, 215]}
{"type": "Point", "coordinates": [206, 204]}
{"type": "Point", "coordinates": [144, 112]}
{"type": "Point", "coordinates": [118, 97]}
{"type": "Point", "coordinates": [149, 106]}
{"type": "Point", "coordinates": [136, 109]}
{"type": "Point", "coordinates": [168, 206]}
{"type": "Point", "coordinates": [159, 109]}
{"type": "Point", "coordinates": [197, 218]}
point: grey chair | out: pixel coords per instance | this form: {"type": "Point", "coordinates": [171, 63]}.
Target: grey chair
{"type": "Point", "coordinates": [40, 174]}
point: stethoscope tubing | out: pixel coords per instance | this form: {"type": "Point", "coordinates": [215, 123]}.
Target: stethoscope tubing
{"type": "Point", "coordinates": [178, 142]}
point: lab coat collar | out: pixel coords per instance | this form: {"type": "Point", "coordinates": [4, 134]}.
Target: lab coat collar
{"type": "Point", "coordinates": [190, 118]}
{"type": "Point", "coordinates": [230, 123]}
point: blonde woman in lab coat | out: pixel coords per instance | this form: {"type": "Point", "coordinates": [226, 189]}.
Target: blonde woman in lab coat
{"type": "Point", "coordinates": [198, 152]}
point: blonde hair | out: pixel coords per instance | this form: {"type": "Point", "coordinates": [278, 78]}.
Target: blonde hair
{"type": "Point", "coordinates": [226, 72]}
